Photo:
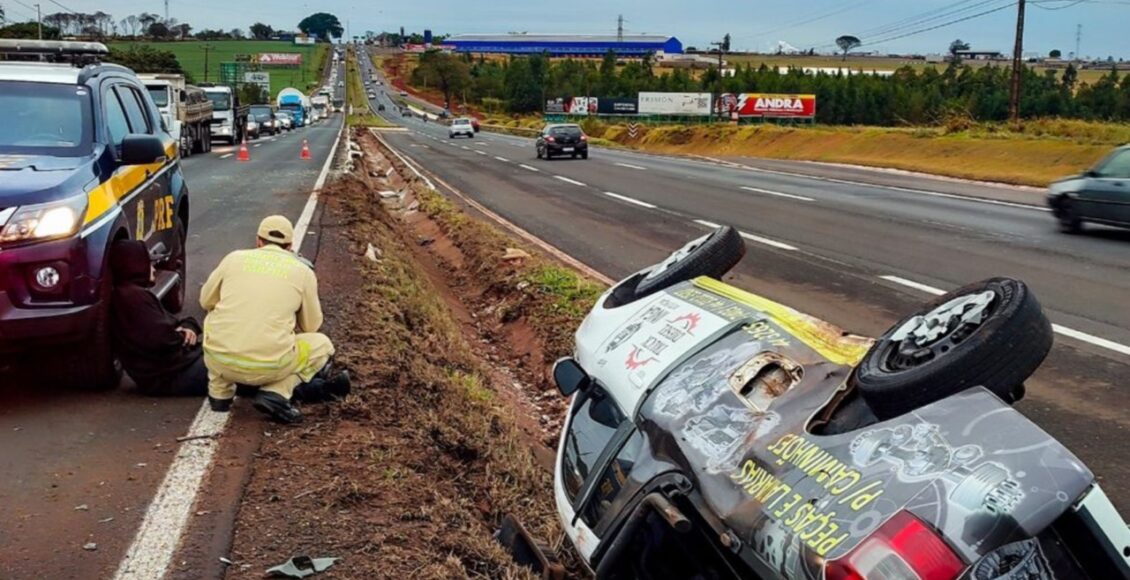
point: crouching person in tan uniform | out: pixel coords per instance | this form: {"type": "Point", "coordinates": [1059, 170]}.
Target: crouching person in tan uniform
{"type": "Point", "coordinates": [262, 325]}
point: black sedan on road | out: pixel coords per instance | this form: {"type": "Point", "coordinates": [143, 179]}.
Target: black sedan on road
{"type": "Point", "coordinates": [1100, 195]}
{"type": "Point", "coordinates": [558, 140]}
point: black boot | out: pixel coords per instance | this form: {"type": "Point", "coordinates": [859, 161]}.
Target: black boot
{"type": "Point", "coordinates": [277, 408]}
{"type": "Point", "coordinates": [340, 385]}
{"type": "Point", "coordinates": [219, 405]}
{"type": "Point", "coordinates": [321, 389]}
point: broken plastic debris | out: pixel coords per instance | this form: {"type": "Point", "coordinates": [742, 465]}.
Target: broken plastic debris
{"type": "Point", "coordinates": [225, 561]}
{"type": "Point", "coordinates": [90, 546]}
{"type": "Point", "coordinates": [372, 253]}
{"type": "Point", "coordinates": [301, 567]}
{"type": "Point", "coordinates": [81, 508]}
{"type": "Point", "coordinates": [515, 254]}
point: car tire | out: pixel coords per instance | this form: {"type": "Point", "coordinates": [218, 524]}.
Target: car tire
{"type": "Point", "coordinates": [711, 255]}
{"type": "Point", "coordinates": [999, 351]}
{"type": "Point", "coordinates": [185, 144]}
{"type": "Point", "coordinates": [92, 366]}
{"type": "Point", "coordinates": [1068, 218]}
{"type": "Point", "coordinates": [174, 301]}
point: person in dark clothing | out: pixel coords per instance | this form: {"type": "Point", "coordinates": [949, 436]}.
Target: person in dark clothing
{"type": "Point", "coordinates": [163, 354]}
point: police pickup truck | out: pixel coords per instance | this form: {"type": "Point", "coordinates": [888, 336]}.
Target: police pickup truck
{"type": "Point", "coordinates": [85, 160]}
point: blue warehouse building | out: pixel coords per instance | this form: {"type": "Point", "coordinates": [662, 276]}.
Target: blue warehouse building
{"type": "Point", "coordinates": [562, 45]}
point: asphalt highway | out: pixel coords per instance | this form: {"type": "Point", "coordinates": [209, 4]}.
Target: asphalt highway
{"type": "Point", "coordinates": [857, 247]}
{"type": "Point", "coordinates": [81, 468]}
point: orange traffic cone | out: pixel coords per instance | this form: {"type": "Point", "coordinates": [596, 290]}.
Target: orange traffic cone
{"type": "Point", "coordinates": [305, 150]}
{"type": "Point", "coordinates": [244, 155]}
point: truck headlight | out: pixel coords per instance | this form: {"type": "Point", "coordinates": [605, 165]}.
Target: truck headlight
{"type": "Point", "coordinates": [44, 221]}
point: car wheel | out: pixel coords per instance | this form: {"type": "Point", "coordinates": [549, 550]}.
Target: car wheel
{"type": "Point", "coordinates": [175, 299]}
{"type": "Point", "coordinates": [1068, 217]}
{"type": "Point", "coordinates": [711, 255]}
{"type": "Point", "coordinates": [92, 366]}
{"type": "Point", "coordinates": [991, 333]}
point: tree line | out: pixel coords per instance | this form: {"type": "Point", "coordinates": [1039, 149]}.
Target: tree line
{"type": "Point", "coordinates": [149, 26]}
{"type": "Point", "coordinates": [907, 97]}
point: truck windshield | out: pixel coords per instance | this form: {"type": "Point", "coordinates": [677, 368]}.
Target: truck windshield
{"type": "Point", "coordinates": [220, 101]}
{"type": "Point", "coordinates": [45, 119]}
{"type": "Point", "coordinates": [160, 95]}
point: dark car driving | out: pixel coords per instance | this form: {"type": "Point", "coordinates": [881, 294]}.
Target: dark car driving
{"type": "Point", "coordinates": [558, 140]}
{"type": "Point", "coordinates": [1100, 195]}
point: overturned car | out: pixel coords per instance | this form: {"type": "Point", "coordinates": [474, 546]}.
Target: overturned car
{"type": "Point", "coordinates": [713, 433]}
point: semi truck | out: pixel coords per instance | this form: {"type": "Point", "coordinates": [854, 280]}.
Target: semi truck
{"type": "Point", "coordinates": [229, 117]}
{"type": "Point", "coordinates": [296, 103]}
{"type": "Point", "coordinates": [185, 110]}
{"type": "Point", "coordinates": [321, 106]}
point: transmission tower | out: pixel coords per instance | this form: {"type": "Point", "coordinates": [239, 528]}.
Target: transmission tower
{"type": "Point", "coordinates": [166, 10]}
{"type": "Point", "coordinates": [620, 28]}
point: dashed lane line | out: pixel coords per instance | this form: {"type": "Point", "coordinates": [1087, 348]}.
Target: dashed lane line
{"type": "Point", "coordinates": [567, 180]}
{"type": "Point", "coordinates": [753, 237]}
{"type": "Point", "coordinates": [529, 168]}
{"type": "Point", "coordinates": [226, 155]}
{"type": "Point", "coordinates": [777, 193]}
{"type": "Point", "coordinates": [630, 200]}
{"type": "Point", "coordinates": [1057, 328]}
{"type": "Point", "coordinates": [502, 159]}
{"type": "Point", "coordinates": [630, 166]}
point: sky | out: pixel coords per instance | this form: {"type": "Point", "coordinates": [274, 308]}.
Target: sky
{"type": "Point", "coordinates": [886, 26]}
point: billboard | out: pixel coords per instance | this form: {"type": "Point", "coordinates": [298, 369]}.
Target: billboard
{"type": "Point", "coordinates": [618, 106]}
{"type": "Point", "coordinates": [768, 105]}
{"type": "Point", "coordinates": [573, 105]}
{"type": "Point", "coordinates": [280, 58]}
{"type": "Point", "coordinates": [262, 79]}
{"type": "Point", "coordinates": [674, 104]}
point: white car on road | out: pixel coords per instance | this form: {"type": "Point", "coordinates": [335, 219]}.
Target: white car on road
{"type": "Point", "coordinates": [461, 126]}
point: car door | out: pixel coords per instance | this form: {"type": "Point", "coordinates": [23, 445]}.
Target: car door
{"type": "Point", "coordinates": [1106, 193]}
{"type": "Point", "coordinates": [154, 204]}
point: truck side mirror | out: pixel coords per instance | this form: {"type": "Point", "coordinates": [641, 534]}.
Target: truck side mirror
{"type": "Point", "coordinates": [183, 96]}
{"type": "Point", "coordinates": [570, 377]}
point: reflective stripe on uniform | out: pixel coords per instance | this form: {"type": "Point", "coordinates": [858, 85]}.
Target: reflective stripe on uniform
{"type": "Point", "coordinates": [248, 364]}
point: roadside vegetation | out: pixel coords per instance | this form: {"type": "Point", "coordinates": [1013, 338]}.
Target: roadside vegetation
{"type": "Point", "coordinates": [413, 473]}
{"type": "Point", "coordinates": [357, 99]}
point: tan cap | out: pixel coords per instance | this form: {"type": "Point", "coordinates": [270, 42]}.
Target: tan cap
{"type": "Point", "coordinates": [277, 229]}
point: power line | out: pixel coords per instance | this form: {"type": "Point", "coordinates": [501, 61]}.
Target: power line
{"type": "Point", "coordinates": [942, 25]}
{"type": "Point", "coordinates": [807, 20]}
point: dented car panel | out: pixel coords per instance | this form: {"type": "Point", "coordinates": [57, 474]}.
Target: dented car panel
{"type": "Point", "coordinates": [721, 387]}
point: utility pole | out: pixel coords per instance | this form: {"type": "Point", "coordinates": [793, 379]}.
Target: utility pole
{"type": "Point", "coordinates": [206, 48]}
{"type": "Point", "coordinates": [166, 11]}
{"type": "Point", "coordinates": [39, 19]}
{"type": "Point", "coordinates": [1017, 63]}
{"type": "Point", "coordinates": [718, 99]}
{"type": "Point", "coordinates": [620, 29]}
{"type": "Point", "coordinates": [1078, 39]}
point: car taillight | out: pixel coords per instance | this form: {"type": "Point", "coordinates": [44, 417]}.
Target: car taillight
{"type": "Point", "coordinates": [903, 548]}
{"type": "Point", "coordinates": [549, 139]}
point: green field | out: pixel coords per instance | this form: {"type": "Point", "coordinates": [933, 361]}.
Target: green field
{"type": "Point", "coordinates": [190, 54]}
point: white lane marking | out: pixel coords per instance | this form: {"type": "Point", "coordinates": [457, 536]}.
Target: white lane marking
{"type": "Point", "coordinates": [257, 145]}
{"type": "Point", "coordinates": [915, 285]}
{"type": "Point", "coordinates": [753, 237]}
{"type": "Point", "coordinates": [1057, 328]}
{"type": "Point", "coordinates": [877, 186]}
{"type": "Point", "coordinates": [627, 199]}
{"type": "Point", "coordinates": [502, 159]}
{"type": "Point", "coordinates": [567, 180]}
{"type": "Point", "coordinates": [226, 155]}
{"type": "Point", "coordinates": [481, 152]}
{"type": "Point", "coordinates": [465, 148]}
{"type": "Point", "coordinates": [158, 537]}
{"type": "Point", "coordinates": [534, 169]}
{"type": "Point", "coordinates": [630, 166]}
{"type": "Point", "coordinates": [777, 193]}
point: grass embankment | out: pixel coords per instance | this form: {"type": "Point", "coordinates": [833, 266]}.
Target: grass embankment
{"type": "Point", "coordinates": [190, 55]}
{"type": "Point", "coordinates": [553, 299]}
{"type": "Point", "coordinates": [358, 97]}
{"type": "Point", "coordinates": [411, 475]}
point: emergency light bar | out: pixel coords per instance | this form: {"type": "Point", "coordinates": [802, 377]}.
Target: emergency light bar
{"type": "Point", "coordinates": [57, 47]}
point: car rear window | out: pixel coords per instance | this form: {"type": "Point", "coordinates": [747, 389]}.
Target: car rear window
{"type": "Point", "coordinates": [45, 119]}
{"type": "Point", "coordinates": [590, 431]}
{"type": "Point", "coordinates": [565, 131]}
